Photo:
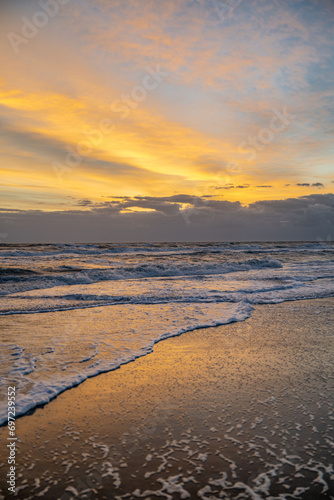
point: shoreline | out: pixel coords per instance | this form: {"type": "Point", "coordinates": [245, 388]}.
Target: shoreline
{"type": "Point", "coordinates": [80, 321]}
{"type": "Point", "coordinates": [123, 363]}
{"type": "Point", "coordinates": [116, 423]}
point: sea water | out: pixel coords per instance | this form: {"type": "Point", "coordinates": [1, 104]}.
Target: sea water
{"type": "Point", "coordinates": [69, 312]}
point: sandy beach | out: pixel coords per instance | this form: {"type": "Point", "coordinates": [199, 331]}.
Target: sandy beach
{"type": "Point", "coordinates": [243, 410]}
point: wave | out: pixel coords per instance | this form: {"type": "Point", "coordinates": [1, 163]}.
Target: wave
{"type": "Point", "coordinates": [149, 270]}
{"type": "Point", "coordinates": [23, 251]}
{"type": "Point", "coordinates": [87, 341]}
{"type": "Point", "coordinates": [70, 276]}
{"type": "Point", "coordinates": [267, 288]}
{"type": "Point", "coordinates": [9, 272]}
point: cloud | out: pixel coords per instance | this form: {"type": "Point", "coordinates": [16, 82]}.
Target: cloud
{"type": "Point", "coordinates": [84, 203]}
{"type": "Point", "coordinates": [166, 205]}
{"type": "Point", "coordinates": [231, 186]}
{"type": "Point", "coordinates": [202, 219]}
{"type": "Point", "coordinates": [306, 184]}
{"type": "Point", "coordinates": [221, 92]}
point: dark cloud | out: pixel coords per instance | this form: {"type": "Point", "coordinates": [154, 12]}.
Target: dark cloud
{"type": "Point", "coordinates": [163, 206]}
{"type": "Point", "coordinates": [306, 184]}
{"type": "Point", "coordinates": [84, 203]}
{"type": "Point", "coordinates": [178, 198]}
{"type": "Point", "coordinates": [205, 219]}
{"type": "Point", "coordinates": [268, 186]}
{"type": "Point", "coordinates": [167, 205]}
{"type": "Point", "coordinates": [231, 186]}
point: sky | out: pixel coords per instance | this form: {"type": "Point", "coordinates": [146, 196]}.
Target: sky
{"type": "Point", "coordinates": [148, 120]}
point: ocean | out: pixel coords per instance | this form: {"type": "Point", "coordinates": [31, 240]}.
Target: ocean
{"type": "Point", "coordinates": [104, 305]}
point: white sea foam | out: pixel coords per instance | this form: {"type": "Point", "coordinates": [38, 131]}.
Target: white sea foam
{"type": "Point", "coordinates": [257, 285]}
{"type": "Point", "coordinates": [74, 346]}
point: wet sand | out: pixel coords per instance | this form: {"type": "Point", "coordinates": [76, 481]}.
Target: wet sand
{"type": "Point", "coordinates": [239, 411]}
